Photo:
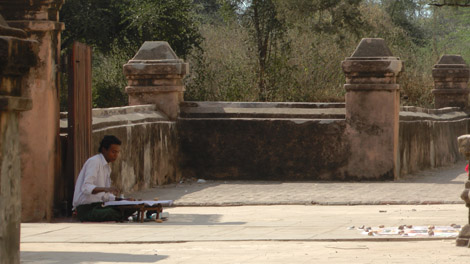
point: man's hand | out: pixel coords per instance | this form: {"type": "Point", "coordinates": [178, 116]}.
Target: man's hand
{"type": "Point", "coordinates": [112, 190]}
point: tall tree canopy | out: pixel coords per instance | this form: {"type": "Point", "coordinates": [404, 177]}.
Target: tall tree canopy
{"type": "Point", "coordinates": [128, 23]}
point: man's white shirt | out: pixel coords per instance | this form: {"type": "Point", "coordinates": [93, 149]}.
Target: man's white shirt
{"type": "Point", "coordinates": [95, 173]}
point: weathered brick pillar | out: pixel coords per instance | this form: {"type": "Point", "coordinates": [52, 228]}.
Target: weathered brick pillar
{"type": "Point", "coordinates": [155, 76]}
{"type": "Point", "coordinates": [451, 76]}
{"type": "Point", "coordinates": [372, 111]}
{"type": "Point", "coordinates": [17, 56]}
{"type": "Point", "coordinates": [39, 128]}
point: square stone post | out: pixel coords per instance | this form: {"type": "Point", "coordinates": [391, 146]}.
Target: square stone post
{"type": "Point", "coordinates": [155, 76]}
{"type": "Point", "coordinates": [17, 56]}
{"type": "Point", "coordinates": [39, 128]}
{"type": "Point", "coordinates": [372, 111]}
{"type": "Point", "coordinates": [451, 76]}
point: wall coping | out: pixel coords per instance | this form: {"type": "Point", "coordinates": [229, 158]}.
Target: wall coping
{"type": "Point", "coordinates": [413, 113]}
{"type": "Point", "coordinates": [119, 116]}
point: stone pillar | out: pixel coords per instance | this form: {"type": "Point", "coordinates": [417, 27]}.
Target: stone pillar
{"type": "Point", "coordinates": [155, 76]}
{"type": "Point", "coordinates": [464, 235]}
{"type": "Point", "coordinates": [17, 56]}
{"type": "Point", "coordinates": [451, 76]}
{"type": "Point", "coordinates": [39, 128]}
{"type": "Point", "coordinates": [372, 111]}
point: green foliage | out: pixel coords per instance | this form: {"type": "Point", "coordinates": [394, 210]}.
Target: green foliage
{"type": "Point", "coordinates": [224, 72]}
{"type": "Point", "coordinates": [267, 32]}
{"type": "Point", "coordinates": [96, 23]}
{"type": "Point", "coordinates": [117, 28]}
{"type": "Point", "coordinates": [108, 80]}
{"type": "Point", "coordinates": [407, 14]}
{"type": "Point", "coordinates": [307, 41]}
{"type": "Point", "coordinates": [169, 20]}
{"type": "Point", "coordinates": [267, 50]}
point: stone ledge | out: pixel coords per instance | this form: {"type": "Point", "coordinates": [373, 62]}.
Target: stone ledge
{"type": "Point", "coordinates": [450, 91]}
{"type": "Point", "coordinates": [262, 110]}
{"type": "Point", "coordinates": [12, 103]}
{"type": "Point", "coordinates": [119, 116]}
{"type": "Point", "coordinates": [261, 104]}
{"type": "Point", "coordinates": [372, 87]}
{"type": "Point", "coordinates": [413, 113]}
{"type": "Point", "coordinates": [154, 89]}
{"type": "Point", "coordinates": [228, 112]}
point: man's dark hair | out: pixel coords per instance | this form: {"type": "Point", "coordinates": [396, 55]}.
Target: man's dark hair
{"type": "Point", "coordinates": [107, 141]}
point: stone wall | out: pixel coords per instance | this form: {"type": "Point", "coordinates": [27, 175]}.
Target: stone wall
{"type": "Point", "coordinates": [149, 145]}
{"type": "Point", "coordinates": [262, 141]}
{"type": "Point", "coordinates": [262, 149]}
{"type": "Point", "coordinates": [285, 141]}
{"type": "Point", "coordinates": [428, 137]}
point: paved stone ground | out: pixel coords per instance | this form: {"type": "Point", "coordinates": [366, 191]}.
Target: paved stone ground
{"type": "Point", "coordinates": [438, 186]}
{"type": "Point", "coordinates": [301, 222]}
{"type": "Point", "coordinates": [256, 252]}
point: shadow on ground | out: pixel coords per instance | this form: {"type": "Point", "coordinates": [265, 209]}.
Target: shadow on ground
{"type": "Point", "coordinates": [52, 257]}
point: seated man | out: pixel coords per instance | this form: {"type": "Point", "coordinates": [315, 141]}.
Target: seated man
{"type": "Point", "coordinates": [93, 186]}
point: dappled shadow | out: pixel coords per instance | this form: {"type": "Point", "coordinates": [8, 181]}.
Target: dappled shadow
{"type": "Point", "coordinates": [53, 257]}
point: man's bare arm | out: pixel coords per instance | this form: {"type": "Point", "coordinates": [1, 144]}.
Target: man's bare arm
{"type": "Point", "coordinates": [112, 190]}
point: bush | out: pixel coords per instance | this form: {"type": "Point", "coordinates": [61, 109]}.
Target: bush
{"type": "Point", "coordinates": [109, 82]}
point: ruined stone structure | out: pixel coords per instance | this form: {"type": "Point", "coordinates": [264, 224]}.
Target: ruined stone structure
{"type": "Point", "coordinates": [17, 56]}
{"type": "Point", "coordinates": [368, 138]}
{"type": "Point", "coordinates": [372, 107]}
{"type": "Point", "coordinates": [305, 141]}
{"type": "Point", "coordinates": [451, 76]}
{"type": "Point", "coordinates": [39, 128]}
{"type": "Point", "coordinates": [155, 76]}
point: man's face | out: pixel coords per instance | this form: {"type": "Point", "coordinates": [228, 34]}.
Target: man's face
{"type": "Point", "coordinates": [112, 153]}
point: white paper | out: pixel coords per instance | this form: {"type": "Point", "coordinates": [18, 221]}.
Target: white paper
{"type": "Point", "coordinates": [148, 203]}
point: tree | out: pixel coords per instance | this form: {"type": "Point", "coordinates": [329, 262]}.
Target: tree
{"type": "Point", "coordinates": [128, 23]}
{"type": "Point", "coordinates": [173, 21]}
{"type": "Point", "coordinates": [117, 28]}
{"type": "Point", "coordinates": [408, 15]}
{"type": "Point", "coordinates": [268, 32]}
{"type": "Point", "coordinates": [335, 17]}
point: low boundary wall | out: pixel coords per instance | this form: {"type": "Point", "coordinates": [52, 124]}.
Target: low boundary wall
{"type": "Point", "coordinates": [428, 137]}
{"type": "Point", "coordinates": [149, 146]}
